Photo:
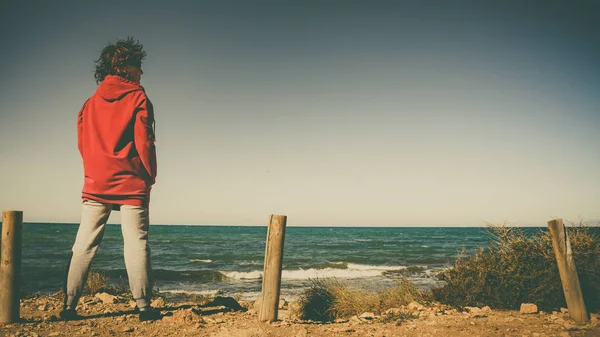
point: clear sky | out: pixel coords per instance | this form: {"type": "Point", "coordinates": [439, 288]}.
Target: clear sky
{"type": "Point", "coordinates": [372, 113]}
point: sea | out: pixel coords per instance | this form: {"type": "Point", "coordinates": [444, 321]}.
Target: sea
{"type": "Point", "coordinates": [228, 260]}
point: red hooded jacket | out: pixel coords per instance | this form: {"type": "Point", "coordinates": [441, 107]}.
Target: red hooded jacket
{"type": "Point", "coordinates": [116, 142]}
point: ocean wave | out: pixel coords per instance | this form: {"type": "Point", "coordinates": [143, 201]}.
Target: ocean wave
{"type": "Point", "coordinates": [188, 275]}
{"type": "Point", "coordinates": [214, 292]}
{"type": "Point", "coordinates": [352, 270]}
{"type": "Point", "coordinates": [239, 275]}
{"type": "Point", "coordinates": [200, 260]}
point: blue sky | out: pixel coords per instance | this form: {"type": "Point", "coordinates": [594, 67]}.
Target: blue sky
{"type": "Point", "coordinates": [357, 113]}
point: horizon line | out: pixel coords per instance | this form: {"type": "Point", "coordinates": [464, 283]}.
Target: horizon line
{"type": "Point", "coordinates": [317, 226]}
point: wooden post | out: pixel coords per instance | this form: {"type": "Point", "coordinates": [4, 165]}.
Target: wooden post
{"type": "Point", "coordinates": [269, 305]}
{"type": "Point", "coordinates": [567, 270]}
{"type": "Point", "coordinates": [10, 266]}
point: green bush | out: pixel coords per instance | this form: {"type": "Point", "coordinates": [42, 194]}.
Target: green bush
{"type": "Point", "coordinates": [520, 267]}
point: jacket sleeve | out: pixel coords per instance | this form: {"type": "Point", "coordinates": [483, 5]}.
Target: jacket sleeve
{"type": "Point", "coordinates": [80, 129]}
{"type": "Point", "coordinates": [144, 138]}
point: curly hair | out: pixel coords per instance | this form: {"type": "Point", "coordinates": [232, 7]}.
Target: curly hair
{"type": "Point", "coordinates": [115, 58]}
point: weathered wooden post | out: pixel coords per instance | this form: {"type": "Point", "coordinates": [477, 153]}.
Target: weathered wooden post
{"type": "Point", "coordinates": [10, 266]}
{"type": "Point", "coordinates": [567, 270]}
{"type": "Point", "coordinates": [272, 270]}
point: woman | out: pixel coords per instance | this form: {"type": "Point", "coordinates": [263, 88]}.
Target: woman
{"type": "Point", "coordinates": [116, 142]}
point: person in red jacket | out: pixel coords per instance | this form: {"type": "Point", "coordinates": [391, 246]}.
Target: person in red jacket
{"type": "Point", "coordinates": [116, 141]}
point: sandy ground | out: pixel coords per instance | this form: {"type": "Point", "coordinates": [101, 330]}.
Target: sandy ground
{"type": "Point", "coordinates": [101, 319]}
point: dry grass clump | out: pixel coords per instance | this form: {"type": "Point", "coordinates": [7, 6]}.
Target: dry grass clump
{"type": "Point", "coordinates": [328, 299]}
{"type": "Point", "coordinates": [520, 267]}
{"type": "Point", "coordinates": [96, 283]}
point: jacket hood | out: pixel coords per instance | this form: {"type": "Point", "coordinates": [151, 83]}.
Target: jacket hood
{"type": "Point", "coordinates": [114, 88]}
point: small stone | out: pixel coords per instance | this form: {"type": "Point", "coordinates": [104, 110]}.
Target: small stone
{"type": "Point", "coordinates": [393, 311]}
{"type": "Point", "coordinates": [53, 334]}
{"type": "Point", "coordinates": [476, 312]}
{"type": "Point", "coordinates": [367, 315]}
{"type": "Point", "coordinates": [106, 298]}
{"type": "Point", "coordinates": [569, 326]}
{"type": "Point", "coordinates": [158, 303]}
{"type": "Point", "coordinates": [256, 305]}
{"type": "Point", "coordinates": [595, 319]}
{"type": "Point", "coordinates": [415, 306]}
{"type": "Point", "coordinates": [282, 304]}
{"type": "Point", "coordinates": [528, 308]}
{"type": "Point", "coordinates": [294, 307]}
{"type": "Point", "coordinates": [128, 329]}
{"type": "Point", "coordinates": [486, 309]}
{"type": "Point", "coordinates": [564, 310]}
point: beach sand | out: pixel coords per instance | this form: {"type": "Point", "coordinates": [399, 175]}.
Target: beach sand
{"type": "Point", "coordinates": [189, 319]}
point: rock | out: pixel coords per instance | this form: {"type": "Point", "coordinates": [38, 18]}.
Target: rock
{"type": "Point", "coordinates": [367, 315]}
{"type": "Point", "coordinates": [393, 311]}
{"type": "Point", "coordinates": [158, 303]}
{"type": "Point", "coordinates": [564, 310]}
{"type": "Point", "coordinates": [569, 326]}
{"type": "Point", "coordinates": [528, 308]}
{"type": "Point", "coordinates": [256, 305]}
{"type": "Point", "coordinates": [106, 298]}
{"type": "Point", "coordinates": [595, 319]}
{"type": "Point", "coordinates": [282, 304]}
{"type": "Point", "coordinates": [184, 316]}
{"type": "Point", "coordinates": [127, 329]}
{"type": "Point", "coordinates": [476, 312]}
{"type": "Point", "coordinates": [415, 306]}
{"type": "Point", "coordinates": [246, 304]}
{"type": "Point", "coordinates": [486, 309]}
{"type": "Point", "coordinates": [294, 307]}
{"type": "Point", "coordinates": [228, 302]}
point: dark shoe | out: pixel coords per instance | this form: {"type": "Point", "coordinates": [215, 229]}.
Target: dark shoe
{"type": "Point", "coordinates": [69, 315]}
{"type": "Point", "coordinates": [150, 315]}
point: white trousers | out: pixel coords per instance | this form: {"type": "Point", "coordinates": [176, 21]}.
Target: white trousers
{"type": "Point", "coordinates": [135, 222]}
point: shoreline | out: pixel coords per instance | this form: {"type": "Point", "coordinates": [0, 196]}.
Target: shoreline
{"type": "Point", "coordinates": [102, 318]}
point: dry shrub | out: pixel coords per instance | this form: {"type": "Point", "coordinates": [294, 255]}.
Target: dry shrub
{"type": "Point", "coordinates": [329, 299]}
{"type": "Point", "coordinates": [96, 282]}
{"type": "Point", "coordinates": [520, 267]}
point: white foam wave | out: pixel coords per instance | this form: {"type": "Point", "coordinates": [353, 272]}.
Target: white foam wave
{"type": "Point", "coordinates": [193, 292]}
{"type": "Point", "coordinates": [238, 275]}
{"type": "Point", "coordinates": [353, 271]}
{"type": "Point", "coordinates": [199, 260]}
